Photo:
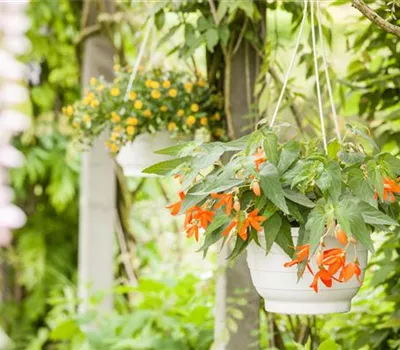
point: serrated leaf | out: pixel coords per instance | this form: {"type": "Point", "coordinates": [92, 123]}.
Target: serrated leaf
{"type": "Point", "coordinates": [284, 238]}
{"type": "Point", "coordinates": [299, 198]}
{"type": "Point", "coordinates": [351, 157]}
{"type": "Point", "coordinates": [213, 232]}
{"type": "Point", "coordinates": [373, 216]}
{"type": "Point", "coordinates": [361, 186]}
{"type": "Point", "coordinates": [271, 147]}
{"type": "Point", "coordinates": [180, 149]}
{"type": "Point", "coordinates": [271, 186]}
{"type": "Point", "coordinates": [315, 228]}
{"type": "Point", "coordinates": [289, 154]}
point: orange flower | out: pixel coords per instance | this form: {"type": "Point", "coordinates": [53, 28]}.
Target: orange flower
{"type": "Point", "coordinates": [255, 186]}
{"type": "Point", "coordinates": [259, 158]}
{"type": "Point", "coordinates": [334, 258]}
{"type": "Point", "coordinates": [390, 188]}
{"type": "Point", "coordinates": [302, 253]}
{"type": "Point", "coordinates": [224, 199]}
{"type": "Point", "coordinates": [252, 220]}
{"type": "Point", "coordinates": [193, 230]}
{"type": "Point", "coordinates": [324, 276]}
{"type": "Point", "coordinates": [229, 228]}
{"type": "Point", "coordinates": [204, 216]}
{"type": "Point", "coordinates": [341, 236]}
{"type": "Point", "coordinates": [350, 270]}
{"type": "Point", "coordinates": [178, 177]}
{"type": "Point", "coordinates": [176, 207]}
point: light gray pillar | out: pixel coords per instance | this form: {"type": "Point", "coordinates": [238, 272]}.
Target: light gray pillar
{"type": "Point", "coordinates": [98, 184]}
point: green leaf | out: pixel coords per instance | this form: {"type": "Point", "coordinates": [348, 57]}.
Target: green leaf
{"type": "Point", "coordinates": [333, 149]}
{"type": "Point", "coordinates": [376, 177]}
{"type": "Point", "coordinates": [169, 35]}
{"type": "Point", "coordinates": [284, 238]}
{"type": "Point", "coordinates": [361, 186]}
{"type": "Point", "coordinates": [271, 186]}
{"type": "Point", "coordinates": [272, 227]}
{"type": "Point", "coordinates": [349, 215]}
{"type": "Point", "coordinates": [180, 149]}
{"type": "Point", "coordinates": [213, 232]}
{"type": "Point", "coordinates": [289, 154]}
{"type": "Point", "coordinates": [212, 38]}
{"type": "Point", "coordinates": [329, 345]}
{"type": "Point", "coordinates": [271, 147]}
{"type": "Point", "coordinates": [351, 157]}
{"type": "Point", "coordinates": [238, 144]}
{"type": "Point", "coordinates": [220, 185]}
{"type": "Point", "coordinates": [299, 198]}
{"type": "Point", "coordinates": [374, 216]}
{"type": "Point", "coordinates": [330, 180]}
{"type": "Point", "coordinates": [240, 246]}
{"type": "Point", "coordinates": [315, 228]}
{"type": "Point", "coordinates": [159, 19]}
{"type": "Point", "coordinates": [167, 166]}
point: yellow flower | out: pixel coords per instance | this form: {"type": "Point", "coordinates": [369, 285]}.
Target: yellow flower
{"type": "Point", "coordinates": [117, 67]}
{"type": "Point", "coordinates": [69, 111]}
{"type": "Point", "coordinates": [173, 92]}
{"type": "Point", "coordinates": [148, 83]}
{"type": "Point", "coordinates": [75, 124]}
{"type": "Point", "coordinates": [118, 128]}
{"type": "Point", "coordinates": [100, 87]}
{"type": "Point", "coordinates": [190, 120]}
{"type": "Point", "coordinates": [155, 94]}
{"type": "Point", "coordinates": [194, 107]}
{"type": "Point", "coordinates": [132, 95]}
{"type": "Point", "coordinates": [114, 136]}
{"type": "Point", "coordinates": [164, 108]}
{"type": "Point", "coordinates": [219, 132]}
{"type": "Point", "coordinates": [130, 130]}
{"type": "Point", "coordinates": [155, 84]}
{"type": "Point", "coordinates": [166, 84]}
{"type": "Point", "coordinates": [132, 121]}
{"type": "Point", "coordinates": [95, 103]}
{"type": "Point", "coordinates": [86, 118]}
{"type": "Point", "coordinates": [204, 121]}
{"type": "Point", "coordinates": [216, 116]}
{"type": "Point", "coordinates": [115, 118]}
{"type": "Point", "coordinates": [114, 148]}
{"type": "Point", "coordinates": [138, 104]}
{"type": "Point", "coordinates": [180, 113]}
{"type": "Point", "coordinates": [189, 87]}
{"type": "Point", "coordinates": [171, 126]}
{"type": "Point", "coordinates": [147, 113]}
{"type": "Point", "coordinates": [201, 83]}
{"type": "Point", "coordinates": [93, 81]}
{"type": "Point", "coordinates": [88, 98]}
{"type": "Point", "coordinates": [114, 92]}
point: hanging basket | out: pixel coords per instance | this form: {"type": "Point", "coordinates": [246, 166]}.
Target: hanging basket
{"type": "Point", "coordinates": [139, 154]}
{"type": "Point", "coordinates": [283, 294]}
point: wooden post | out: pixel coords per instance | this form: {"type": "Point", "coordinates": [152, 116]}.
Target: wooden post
{"type": "Point", "coordinates": [97, 196]}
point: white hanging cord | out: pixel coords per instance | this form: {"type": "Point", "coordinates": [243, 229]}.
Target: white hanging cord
{"type": "Point", "coordinates": [289, 72]}
{"type": "Point", "coordinates": [321, 113]}
{"type": "Point", "coordinates": [328, 81]}
{"type": "Point", "coordinates": [138, 60]}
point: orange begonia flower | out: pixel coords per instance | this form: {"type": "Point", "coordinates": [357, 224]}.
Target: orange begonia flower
{"type": "Point", "coordinates": [204, 216]}
{"type": "Point", "coordinates": [350, 270]}
{"type": "Point", "coordinates": [253, 220]}
{"type": "Point", "coordinates": [334, 258]}
{"type": "Point", "coordinates": [390, 188]}
{"type": "Point", "coordinates": [193, 230]}
{"type": "Point", "coordinates": [259, 158]}
{"type": "Point", "coordinates": [229, 228]}
{"type": "Point", "coordinates": [324, 276]}
{"type": "Point", "coordinates": [224, 199]}
{"type": "Point", "coordinates": [302, 253]}
{"type": "Point", "coordinates": [176, 207]}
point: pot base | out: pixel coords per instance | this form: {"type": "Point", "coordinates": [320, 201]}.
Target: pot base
{"type": "Point", "coordinates": [307, 308]}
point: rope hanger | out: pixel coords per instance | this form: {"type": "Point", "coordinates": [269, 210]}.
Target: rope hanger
{"type": "Point", "coordinates": [316, 68]}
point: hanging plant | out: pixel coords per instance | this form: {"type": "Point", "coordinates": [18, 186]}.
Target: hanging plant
{"type": "Point", "coordinates": [319, 208]}
{"type": "Point", "coordinates": [155, 101]}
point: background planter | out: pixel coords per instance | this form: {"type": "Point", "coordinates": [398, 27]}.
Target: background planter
{"type": "Point", "coordinates": [283, 294]}
{"type": "Point", "coordinates": [138, 155]}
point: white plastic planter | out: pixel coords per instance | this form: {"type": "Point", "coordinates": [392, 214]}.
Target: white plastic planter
{"type": "Point", "coordinates": [283, 294]}
{"type": "Point", "coordinates": [139, 154]}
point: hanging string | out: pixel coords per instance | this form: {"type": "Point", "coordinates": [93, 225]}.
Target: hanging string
{"type": "Point", "coordinates": [138, 60]}
{"type": "Point", "coordinates": [321, 113]}
{"type": "Point", "coordinates": [328, 81]}
{"type": "Point", "coordinates": [291, 64]}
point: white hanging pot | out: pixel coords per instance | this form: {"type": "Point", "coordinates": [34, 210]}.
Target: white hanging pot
{"type": "Point", "coordinates": [139, 154]}
{"type": "Point", "coordinates": [283, 294]}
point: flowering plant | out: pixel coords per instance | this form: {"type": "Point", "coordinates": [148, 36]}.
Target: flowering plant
{"type": "Point", "coordinates": [157, 100]}
{"type": "Point", "coordinates": [268, 187]}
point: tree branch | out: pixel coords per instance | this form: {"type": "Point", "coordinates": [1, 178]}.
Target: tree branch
{"type": "Point", "coordinates": [368, 12]}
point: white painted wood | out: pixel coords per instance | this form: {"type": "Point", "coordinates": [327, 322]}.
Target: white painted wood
{"type": "Point", "coordinates": [98, 188]}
